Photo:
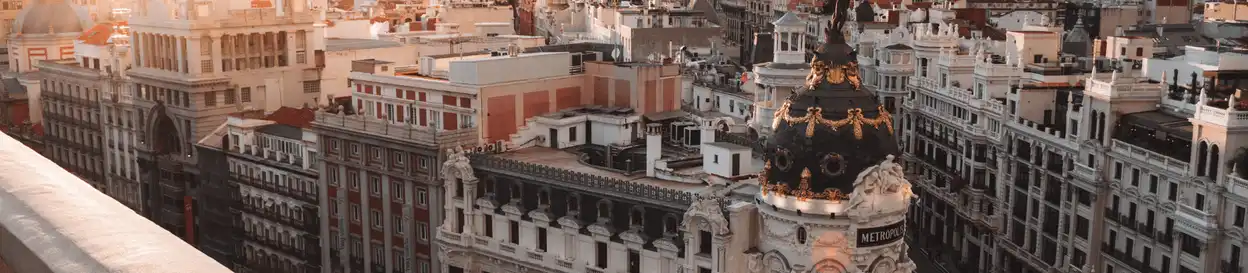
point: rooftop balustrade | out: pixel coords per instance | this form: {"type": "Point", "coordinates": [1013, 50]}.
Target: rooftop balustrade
{"type": "Point", "coordinates": [52, 221]}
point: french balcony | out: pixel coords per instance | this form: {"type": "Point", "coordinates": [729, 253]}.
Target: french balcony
{"type": "Point", "coordinates": [58, 223]}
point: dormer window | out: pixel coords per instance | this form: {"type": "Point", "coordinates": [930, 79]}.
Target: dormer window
{"type": "Point", "coordinates": [517, 191]}
{"type": "Point", "coordinates": [543, 198]}
{"type": "Point", "coordinates": [574, 203]}
{"type": "Point", "coordinates": [671, 224]}
{"type": "Point", "coordinates": [604, 211]}
{"type": "Point", "coordinates": [637, 217]}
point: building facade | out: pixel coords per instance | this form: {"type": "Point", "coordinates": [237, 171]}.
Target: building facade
{"type": "Point", "coordinates": [196, 64]}
{"type": "Point", "coordinates": [273, 163]}
{"type": "Point", "coordinates": [1028, 159]}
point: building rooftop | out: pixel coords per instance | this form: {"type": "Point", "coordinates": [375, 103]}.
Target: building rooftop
{"type": "Point", "coordinates": [55, 222]}
{"type": "Point", "coordinates": [339, 44]}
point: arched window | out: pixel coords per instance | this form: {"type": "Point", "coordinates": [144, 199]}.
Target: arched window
{"type": "Point", "coordinates": [1214, 161]}
{"type": "Point", "coordinates": [604, 210]}
{"type": "Point", "coordinates": [637, 217]}
{"type": "Point", "coordinates": [671, 224]}
{"type": "Point", "coordinates": [543, 198]}
{"type": "Point", "coordinates": [1202, 156]}
{"type": "Point", "coordinates": [517, 190]}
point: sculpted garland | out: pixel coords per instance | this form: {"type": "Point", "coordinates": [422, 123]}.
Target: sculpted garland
{"type": "Point", "coordinates": [854, 117]}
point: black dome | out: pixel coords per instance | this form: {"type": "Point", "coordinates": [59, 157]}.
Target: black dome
{"type": "Point", "coordinates": [827, 134]}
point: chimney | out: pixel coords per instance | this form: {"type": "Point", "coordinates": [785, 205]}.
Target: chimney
{"type": "Point", "coordinates": [708, 131]}
{"type": "Point", "coordinates": [654, 147]}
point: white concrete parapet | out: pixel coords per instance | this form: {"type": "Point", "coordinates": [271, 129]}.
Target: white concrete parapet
{"type": "Point", "coordinates": [52, 221]}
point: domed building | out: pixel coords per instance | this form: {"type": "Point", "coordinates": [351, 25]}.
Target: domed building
{"type": "Point", "coordinates": [43, 30]}
{"type": "Point", "coordinates": [833, 197]}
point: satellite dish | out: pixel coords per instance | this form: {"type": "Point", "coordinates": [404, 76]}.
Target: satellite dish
{"type": "Point", "coordinates": [615, 54]}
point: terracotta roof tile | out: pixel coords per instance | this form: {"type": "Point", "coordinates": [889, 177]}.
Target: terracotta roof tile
{"type": "Point", "coordinates": [260, 4]}
{"type": "Point", "coordinates": [99, 34]}
{"type": "Point", "coordinates": [296, 117]}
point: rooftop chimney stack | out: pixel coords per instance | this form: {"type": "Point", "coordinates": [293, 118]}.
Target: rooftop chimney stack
{"type": "Point", "coordinates": [654, 147]}
{"type": "Point", "coordinates": [708, 131]}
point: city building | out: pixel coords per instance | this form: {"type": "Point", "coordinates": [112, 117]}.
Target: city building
{"type": "Point", "coordinates": [409, 115]}
{"type": "Point", "coordinates": [693, 205]}
{"type": "Point", "coordinates": [271, 163]}
{"type": "Point", "coordinates": [38, 35]}
{"type": "Point", "coordinates": [193, 66]}
{"type": "Point", "coordinates": [650, 31]}
{"type": "Point", "coordinates": [1110, 159]}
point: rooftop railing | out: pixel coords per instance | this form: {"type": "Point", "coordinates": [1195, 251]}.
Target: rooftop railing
{"type": "Point", "coordinates": [52, 221]}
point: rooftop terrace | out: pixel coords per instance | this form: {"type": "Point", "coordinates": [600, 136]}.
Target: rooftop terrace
{"type": "Point", "coordinates": [52, 221]}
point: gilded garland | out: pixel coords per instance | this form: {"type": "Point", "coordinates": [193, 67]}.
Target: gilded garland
{"type": "Point", "coordinates": [820, 71]}
{"type": "Point", "coordinates": [802, 192]}
{"type": "Point", "coordinates": [814, 116]}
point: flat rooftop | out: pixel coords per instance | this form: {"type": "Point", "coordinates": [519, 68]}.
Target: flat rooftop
{"type": "Point", "coordinates": [560, 159]}
{"type": "Point", "coordinates": [337, 44]}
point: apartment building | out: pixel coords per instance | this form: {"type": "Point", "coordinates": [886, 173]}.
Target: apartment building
{"type": "Point", "coordinates": [193, 66]}
{"type": "Point", "coordinates": [1028, 159]}
{"type": "Point", "coordinates": [408, 116]}
{"type": "Point", "coordinates": [72, 93]}
{"type": "Point", "coordinates": [271, 163]}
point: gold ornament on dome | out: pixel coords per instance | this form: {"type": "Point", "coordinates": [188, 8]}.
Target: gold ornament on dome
{"type": "Point", "coordinates": [814, 117]}
{"type": "Point", "coordinates": [820, 71]}
{"type": "Point", "coordinates": [803, 192]}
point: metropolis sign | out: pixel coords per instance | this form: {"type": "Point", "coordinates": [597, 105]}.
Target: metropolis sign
{"type": "Point", "coordinates": [877, 236]}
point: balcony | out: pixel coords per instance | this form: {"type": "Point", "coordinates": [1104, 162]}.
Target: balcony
{"type": "Point", "coordinates": [271, 187]}
{"type": "Point", "coordinates": [1154, 158]}
{"type": "Point", "coordinates": [1224, 117]}
{"type": "Point", "coordinates": [58, 223]}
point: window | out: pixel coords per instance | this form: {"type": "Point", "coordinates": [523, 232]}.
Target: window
{"type": "Point", "coordinates": [355, 213]}
{"type": "Point", "coordinates": [1117, 170]}
{"type": "Point", "coordinates": [1239, 216]}
{"type": "Point", "coordinates": [1139, 52]}
{"type": "Point", "coordinates": [514, 237]}
{"type": "Point", "coordinates": [375, 216]}
{"type": "Point", "coordinates": [229, 97]}
{"type": "Point", "coordinates": [601, 249]}
{"type": "Point", "coordinates": [1173, 192]}
{"type": "Point", "coordinates": [355, 149]}
{"type": "Point", "coordinates": [333, 208]}
{"type": "Point", "coordinates": [541, 239]}
{"type": "Point", "coordinates": [311, 86]}
{"type": "Point", "coordinates": [400, 261]}
{"type": "Point", "coordinates": [246, 94]}
{"type": "Point", "coordinates": [422, 231]}
{"type": "Point", "coordinates": [379, 253]}
{"type": "Point", "coordinates": [397, 191]}
{"type": "Point", "coordinates": [374, 186]}
{"type": "Point", "coordinates": [422, 197]}
{"type": "Point", "coordinates": [353, 181]}
{"type": "Point", "coordinates": [487, 228]}
{"type": "Point", "coordinates": [396, 224]}
{"type": "Point", "coordinates": [1152, 183]}
{"type": "Point", "coordinates": [572, 134]}
{"type": "Point", "coordinates": [210, 99]}
{"type": "Point", "coordinates": [1200, 202]}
